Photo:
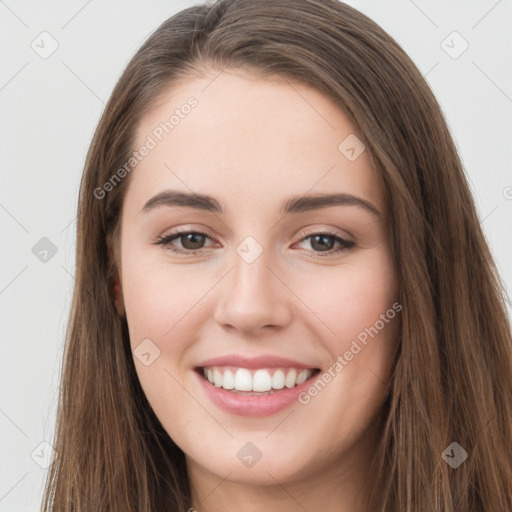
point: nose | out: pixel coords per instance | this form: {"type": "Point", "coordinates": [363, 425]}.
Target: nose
{"type": "Point", "coordinates": [253, 299]}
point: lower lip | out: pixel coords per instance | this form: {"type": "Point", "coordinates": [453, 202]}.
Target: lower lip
{"type": "Point", "coordinates": [253, 405]}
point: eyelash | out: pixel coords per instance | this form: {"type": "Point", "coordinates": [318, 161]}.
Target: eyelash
{"type": "Point", "coordinates": [167, 239]}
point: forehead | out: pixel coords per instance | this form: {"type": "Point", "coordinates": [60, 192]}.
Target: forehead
{"type": "Point", "coordinates": [248, 140]}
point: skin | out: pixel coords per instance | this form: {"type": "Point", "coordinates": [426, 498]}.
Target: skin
{"type": "Point", "coordinates": [252, 143]}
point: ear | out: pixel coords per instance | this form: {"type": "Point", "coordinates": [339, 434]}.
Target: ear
{"type": "Point", "coordinates": [115, 281]}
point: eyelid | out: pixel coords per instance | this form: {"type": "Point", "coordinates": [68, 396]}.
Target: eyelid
{"type": "Point", "coordinates": [180, 230]}
{"type": "Point", "coordinates": [306, 233]}
{"type": "Point", "coordinates": [345, 243]}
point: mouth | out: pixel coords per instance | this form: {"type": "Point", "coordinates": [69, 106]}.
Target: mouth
{"type": "Point", "coordinates": [249, 389]}
{"type": "Point", "coordinates": [256, 382]}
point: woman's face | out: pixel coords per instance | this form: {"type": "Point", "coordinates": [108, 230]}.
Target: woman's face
{"type": "Point", "coordinates": [287, 276]}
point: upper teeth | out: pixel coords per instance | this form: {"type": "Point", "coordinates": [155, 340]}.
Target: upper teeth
{"type": "Point", "coordinates": [242, 379]}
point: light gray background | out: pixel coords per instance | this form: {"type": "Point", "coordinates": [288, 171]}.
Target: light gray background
{"type": "Point", "coordinates": [50, 107]}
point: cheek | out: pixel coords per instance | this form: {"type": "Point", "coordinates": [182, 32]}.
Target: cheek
{"type": "Point", "coordinates": [360, 310]}
{"type": "Point", "coordinates": [352, 299]}
{"type": "Point", "coordinates": [159, 299]}
{"type": "Point", "coordinates": [161, 312]}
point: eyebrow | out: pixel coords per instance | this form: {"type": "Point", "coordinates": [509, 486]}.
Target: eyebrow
{"type": "Point", "coordinates": [296, 204]}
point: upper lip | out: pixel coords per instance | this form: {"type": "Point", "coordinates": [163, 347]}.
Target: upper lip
{"type": "Point", "coordinates": [264, 361]}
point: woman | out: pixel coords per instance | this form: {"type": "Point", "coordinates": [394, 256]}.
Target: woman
{"type": "Point", "coordinates": [283, 295]}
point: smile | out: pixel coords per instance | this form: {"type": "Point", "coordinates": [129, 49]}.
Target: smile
{"type": "Point", "coordinates": [256, 380]}
{"type": "Point", "coordinates": [258, 386]}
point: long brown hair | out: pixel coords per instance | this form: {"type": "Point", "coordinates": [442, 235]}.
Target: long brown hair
{"type": "Point", "coordinates": [452, 380]}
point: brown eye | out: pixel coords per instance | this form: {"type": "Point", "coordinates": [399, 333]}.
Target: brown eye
{"type": "Point", "coordinates": [184, 242]}
{"type": "Point", "coordinates": [192, 241]}
{"type": "Point", "coordinates": [322, 242]}
{"type": "Point", "coordinates": [325, 243]}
